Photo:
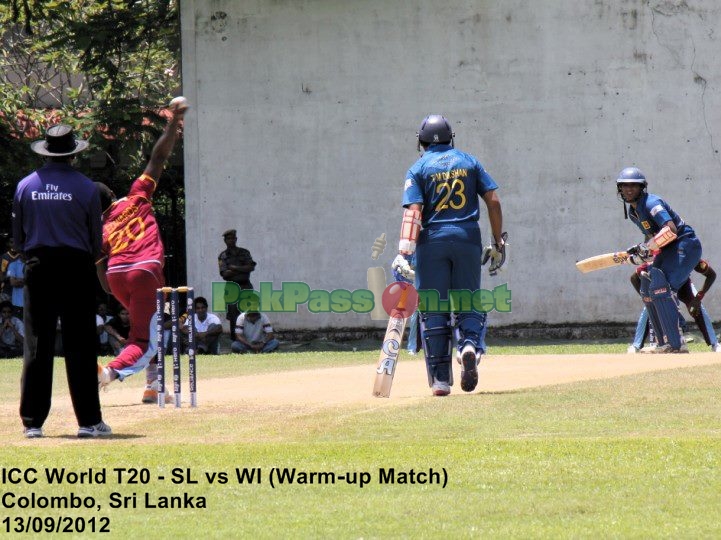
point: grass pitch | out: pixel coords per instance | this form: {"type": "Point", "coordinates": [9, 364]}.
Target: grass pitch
{"type": "Point", "coordinates": [633, 456]}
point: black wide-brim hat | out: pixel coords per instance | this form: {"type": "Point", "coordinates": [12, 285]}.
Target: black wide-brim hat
{"type": "Point", "coordinates": [59, 141]}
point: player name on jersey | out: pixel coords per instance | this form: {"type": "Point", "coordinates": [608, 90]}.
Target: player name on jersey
{"type": "Point", "coordinates": [449, 175]}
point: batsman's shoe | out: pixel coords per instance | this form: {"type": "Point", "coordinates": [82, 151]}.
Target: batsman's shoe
{"type": "Point", "coordinates": [668, 349]}
{"type": "Point", "coordinates": [632, 350]}
{"type": "Point", "coordinates": [716, 347]}
{"type": "Point", "coordinates": [101, 429]}
{"type": "Point", "coordinates": [440, 388]}
{"type": "Point", "coordinates": [469, 374]}
{"type": "Point", "coordinates": [33, 432]}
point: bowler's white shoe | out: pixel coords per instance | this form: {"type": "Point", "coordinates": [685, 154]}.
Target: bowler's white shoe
{"type": "Point", "coordinates": [104, 376]}
{"type": "Point", "coordinates": [151, 393]}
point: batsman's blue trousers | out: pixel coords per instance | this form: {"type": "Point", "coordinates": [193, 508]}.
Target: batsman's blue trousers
{"type": "Point", "coordinates": [449, 258]}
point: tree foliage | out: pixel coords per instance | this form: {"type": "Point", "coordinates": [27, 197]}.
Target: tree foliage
{"type": "Point", "coordinates": [104, 66]}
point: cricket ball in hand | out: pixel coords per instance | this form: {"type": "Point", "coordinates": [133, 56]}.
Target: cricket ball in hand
{"type": "Point", "coordinates": [179, 104]}
{"type": "Point", "coordinates": [400, 299]}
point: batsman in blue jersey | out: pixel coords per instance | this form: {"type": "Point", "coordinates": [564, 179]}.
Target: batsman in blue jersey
{"type": "Point", "coordinates": [441, 216]}
{"type": "Point", "coordinates": [678, 252]}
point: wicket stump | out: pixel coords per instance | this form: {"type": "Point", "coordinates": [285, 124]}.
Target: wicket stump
{"type": "Point", "coordinates": [176, 342]}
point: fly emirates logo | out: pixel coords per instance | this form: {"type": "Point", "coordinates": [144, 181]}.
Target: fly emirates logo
{"type": "Point", "coordinates": [51, 193]}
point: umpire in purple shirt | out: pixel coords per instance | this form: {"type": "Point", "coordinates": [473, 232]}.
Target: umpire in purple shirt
{"type": "Point", "coordinates": [57, 223]}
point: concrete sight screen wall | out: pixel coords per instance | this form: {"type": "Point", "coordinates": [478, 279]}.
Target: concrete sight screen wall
{"type": "Point", "coordinates": [305, 113]}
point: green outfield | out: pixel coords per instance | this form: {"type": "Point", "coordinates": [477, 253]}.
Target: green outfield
{"type": "Point", "coordinates": [629, 456]}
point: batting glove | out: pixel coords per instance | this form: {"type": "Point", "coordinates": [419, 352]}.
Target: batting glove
{"type": "Point", "coordinates": [486, 255]}
{"type": "Point", "coordinates": [497, 255]}
{"type": "Point", "coordinates": [642, 250]}
{"type": "Point", "coordinates": [402, 266]}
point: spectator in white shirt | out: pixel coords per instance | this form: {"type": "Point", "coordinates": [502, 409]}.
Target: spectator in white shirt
{"type": "Point", "coordinates": [254, 333]}
{"type": "Point", "coordinates": [208, 328]}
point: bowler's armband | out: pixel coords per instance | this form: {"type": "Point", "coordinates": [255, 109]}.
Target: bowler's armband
{"type": "Point", "coordinates": [410, 228]}
{"type": "Point", "coordinates": [663, 237]}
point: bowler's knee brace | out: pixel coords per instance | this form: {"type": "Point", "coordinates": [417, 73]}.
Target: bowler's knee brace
{"type": "Point", "coordinates": [666, 304]}
{"type": "Point", "coordinates": [437, 346]}
{"type": "Point", "coordinates": [651, 309]}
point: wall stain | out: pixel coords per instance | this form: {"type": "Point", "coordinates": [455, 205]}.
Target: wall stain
{"type": "Point", "coordinates": [630, 19]}
{"type": "Point", "coordinates": [640, 57]}
{"type": "Point", "coordinates": [218, 21]}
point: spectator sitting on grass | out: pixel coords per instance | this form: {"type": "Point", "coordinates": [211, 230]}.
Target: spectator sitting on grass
{"type": "Point", "coordinates": [254, 333]}
{"type": "Point", "coordinates": [207, 328]}
{"type": "Point", "coordinates": [118, 330]}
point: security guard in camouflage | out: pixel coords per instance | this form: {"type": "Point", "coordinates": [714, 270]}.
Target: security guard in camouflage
{"type": "Point", "coordinates": [235, 265]}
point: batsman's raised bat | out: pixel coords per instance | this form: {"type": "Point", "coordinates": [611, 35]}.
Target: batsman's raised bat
{"type": "Point", "coordinates": [599, 262]}
{"type": "Point", "coordinates": [386, 368]}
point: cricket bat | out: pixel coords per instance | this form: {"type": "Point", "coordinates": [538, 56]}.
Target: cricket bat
{"type": "Point", "coordinates": [386, 368]}
{"type": "Point", "coordinates": [599, 262]}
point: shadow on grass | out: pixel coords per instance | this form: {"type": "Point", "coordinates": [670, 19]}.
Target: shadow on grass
{"type": "Point", "coordinates": [502, 392]}
{"type": "Point", "coordinates": [113, 437]}
{"type": "Point", "coordinates": [133, 405]}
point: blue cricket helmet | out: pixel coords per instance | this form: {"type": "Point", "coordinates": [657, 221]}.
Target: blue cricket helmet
{"type": "Point", "coordinates": [631, 175]}
{"type": "Point", "coordinates": [435, 129]}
